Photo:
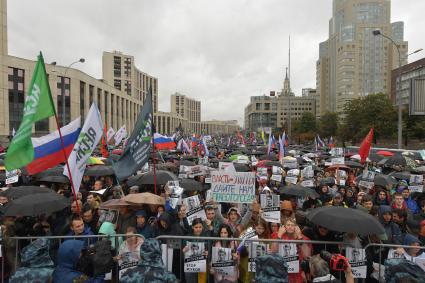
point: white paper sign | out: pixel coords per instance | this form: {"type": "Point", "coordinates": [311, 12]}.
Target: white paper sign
{"type": "Point", "coordinates": [276, 170]}
{"type": "Point", "coordinates": [12, 176]}
{"type": "Point", "coordinates": [337, 161]}
{"type": "Point", "coordinates": [167, 257]}
{"type": "Point", "coordinates": [307, 183]}
{"type": "Point", "coordinates": [307, 172]}
{"type": "Point", "coordinates": [420, 262]}
{"type": "Point", "coordinates": [226, 166]}
{"type": "Point", "coordinates": [366, 184]}
{"type": "Point", "coordinates": [233, 187]}
{"type": "Point", "coordinates": [289, 252]}
{"type": "Point", "coordinates": [270, 205]}
{"type": "Point", "coordinates": [357, 260]}
{"type": "Point", "coordinates": [368, 175]}
{"type": "Point", "coordinates": [416, 180]}
{"type": "Point", "coordinates": [222, 261]}
{"type": "Point", "coordinates": [194, 209]}
{"type": "Point", "coordinates": [195, 259]}
{"type": "Point", "coordinates": [416, 189]}
{"type": "Point", "coordinates": [255, 250]}
{"type": "Point", "coordinates": [290, 164]}
{"type": "Point", "coordinates": [175, 192]}
{"type": "Point", "coordinates": [291, 180]}
{"type": "Point", "coordinates": [277, 178]}
{"type": "Point", "coordinates": [337, 151]}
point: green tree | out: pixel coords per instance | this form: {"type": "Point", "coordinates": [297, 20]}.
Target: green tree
{"type": "Point", "coordinates": [371, 111]}
{"type": "Point", "coordinates": [328, 124]}
{"type": "Point", "coordinates": [307, 124]}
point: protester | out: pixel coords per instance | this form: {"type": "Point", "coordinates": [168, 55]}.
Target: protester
{"type": "Point", "coordinates": [143, 228]}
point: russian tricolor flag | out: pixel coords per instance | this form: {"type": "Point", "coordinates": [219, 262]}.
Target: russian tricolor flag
{"type": "Point", "coordinates": [163, 142]}
{"type": "Point", "coordinates": [48, 149]}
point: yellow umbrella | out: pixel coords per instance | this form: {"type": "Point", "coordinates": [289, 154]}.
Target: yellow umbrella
{"type": "Point", "coordinates": [94, 161]}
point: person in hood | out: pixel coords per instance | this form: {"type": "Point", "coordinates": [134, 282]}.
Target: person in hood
{"type": "Point", "coordinates": [411, 204]}
{"type": "Point", "coordinates": [68, 255]}
{"type": "Point", "coordinates": [151, 267]}
{"type": "Point", "coordinates": [382, 198]}
{"type": "Point", "coordinates": [143, 227]}
{"type": "Point", "coordinates": [392, 230]}
{"type": "Point", "coordinates": [271, 268]}
{"type": "Point", "coordinates": [36, 264]}
{"type": "Point", "coordinates": [107, 228]}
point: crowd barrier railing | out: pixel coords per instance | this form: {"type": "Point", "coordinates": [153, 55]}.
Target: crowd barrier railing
{"type": "Point", "coordinates": [176, 243]}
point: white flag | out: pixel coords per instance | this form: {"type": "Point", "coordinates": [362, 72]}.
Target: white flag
{"type": "Point", "coordinates": [110, 134]}
{"type": "Point", "coordinates": [88, 139]}
{"type": "Point", "coordinates": [120, 135]}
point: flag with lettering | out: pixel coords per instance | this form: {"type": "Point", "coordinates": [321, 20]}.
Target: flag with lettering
{"type": "Point", "coordinates": [89, 138]}
{"type": "Point", "coordinates": [38, 106]}
{"type": "Point", "coordinates": [138, 148]}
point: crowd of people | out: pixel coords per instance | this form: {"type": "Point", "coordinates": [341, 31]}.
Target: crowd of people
{"type": "Point", "coordinates": [141, 256]}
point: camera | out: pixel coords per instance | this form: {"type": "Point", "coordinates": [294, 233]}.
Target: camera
{"type": "Point", "coordinates": [96, 259]}
{"type": "Point", "coordinates": [337, 262]}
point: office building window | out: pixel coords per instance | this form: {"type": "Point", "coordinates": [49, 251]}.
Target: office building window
{"type": "Point", "coordinates": [117, 84]}
{"type": "Point", "coordinates": [127, 67]}
{"type": "Point", "coordinates": [91, 95]}
{"type": "Point", "coordinates": [63, 93]}
{"type": "Point", "coordinates": [117, 66]}
{"type": "Point", "coordinates": [82, 100]}
{"type": "Point", "coordinates": [128, 87]}
{"type": "Point", "coordinates": [99, 99]}
{"type": "Point", "coordinates": [16, 97]}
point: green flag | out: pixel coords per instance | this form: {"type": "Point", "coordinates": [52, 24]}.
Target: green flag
{"type": "Point", "coordinates": [38, 106]}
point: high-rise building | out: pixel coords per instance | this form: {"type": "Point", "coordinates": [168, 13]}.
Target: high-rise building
{"type": "Point", "coordinates": [187, 108]}
{"type": "Point", "coordinates": [352, 61]}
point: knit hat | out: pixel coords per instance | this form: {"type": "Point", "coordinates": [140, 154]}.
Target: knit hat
{"type": "Point", "coordinates": [234, 209]}
{"type": "Point", "coordinates": [286, 205]}
{"type": "Point", "coordinates": [409, 239]}
{"type": "Point", "coordinates": [141, 213]}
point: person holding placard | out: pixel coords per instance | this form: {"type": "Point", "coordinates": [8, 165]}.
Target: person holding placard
{"type": "Point", "coordinates": [291, 231]}
{"type": "Point", "coordinates": [197, 231]}
{"type": "Point", "coordinates": [226, 232]}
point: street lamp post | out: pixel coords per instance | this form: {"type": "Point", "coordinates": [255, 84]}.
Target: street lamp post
{"type": "Point", "coordinates": [81, 60]}
{"type": "Point", "coordinates": [398, 91]}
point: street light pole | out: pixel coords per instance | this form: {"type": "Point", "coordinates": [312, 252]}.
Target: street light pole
{"type": "Point", "coordinates": [81, 60]}
{"type": "Point", "coordinates": [398, 91]}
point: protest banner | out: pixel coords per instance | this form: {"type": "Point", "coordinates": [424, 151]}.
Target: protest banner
{"type": "Point", "coordinates": [307, 183]}
{"type": "Point", "coordinates": [416, 189]}
{"type": "Point", "coordinates": [222, 261]}
{"type": "Point", "coordinates": [307, 172]}
{"type": "Point", "coordinates": [234, 187]}
{"type": "Point", "coordinates": [277, 178]}
{"type": "Point", "coordinates": [255, 250]}
{"type": "Point", "coordinates": [357, 260]}
{"type": "Point", "coordinates": [195, 259]}
{"type": "Point", "coordinates": [366, 184]}
{"type": "Point", "coordinates": [128, 260]}
{"type": "Point", "coordinates": [276, 170]}
{"type": "Point", "coordinates": [289, 252]}
{"type": "Point", "coordinates": [193, 171]}
{"type": "Point", "coordinates": [194, 209]}
{"type": "Point", "coordinates": [337, 151]}
{"type": "Point", "coordinates": [290, 164]}
{"type": "Point", "coordinates": [270, 205]}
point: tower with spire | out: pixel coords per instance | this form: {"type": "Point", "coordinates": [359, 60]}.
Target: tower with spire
{"type": "Point", "coordinates": [286, 86]}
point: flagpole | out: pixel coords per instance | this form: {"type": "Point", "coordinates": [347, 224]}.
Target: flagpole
{"type": "Point", "coordinates": [153, 144]}
{"type": "Point", "coordinates": [66, 162]}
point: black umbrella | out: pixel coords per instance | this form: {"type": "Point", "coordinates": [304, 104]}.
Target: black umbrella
{"type": "Point", "coordinates": [162, 177]}
{"type": "Point", "coordinates": [18, 192]}
{"type": "Point", "coordinates": [298, 190]}
{"type": "Point", "coordinates": [99, 170]}
{"type": "Point", "coordinates": [61, 179]}
{"type": "Point", "coordinates": [353, 164]}
{"type": "Point", "coordinates": [396, 160]}
{"type": "Point", "coordinates": [271, 156]}
{"type": "Point", "coordinates": [2, 176]}
{"type": "Point", "coordinates": [384, 180]}
{"type": "Point", "coordinates": [375, 157]}
{"type": "Point", "coordinates": [191, 185]}
{"type": "Point", "coordinates": [330, 181]}
{"type": "Point", "coordinates": [36, 204]}
{"type": "Point", "coordinates": [348, 220]}
{"type": "Point", "coordinates": [241, 167]}
{"type": "Point", "coordinates": [404, 175]}
{"type": "Point", "coordinates": [54, 171]}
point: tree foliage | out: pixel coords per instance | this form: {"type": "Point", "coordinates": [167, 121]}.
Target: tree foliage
{"type": "Point", "coordinates": [307, 124]}
{"type": "Point", "coordinates": [371, 111]}
{"type": "Point", "coordinates": [328, 124]}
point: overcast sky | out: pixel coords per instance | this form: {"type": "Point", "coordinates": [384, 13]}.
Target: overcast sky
{"type": "Point", "coordinates": [220, 52]}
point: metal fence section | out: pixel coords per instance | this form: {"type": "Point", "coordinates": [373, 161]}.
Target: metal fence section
{"type": "Point", "coordinates": [173, 255]}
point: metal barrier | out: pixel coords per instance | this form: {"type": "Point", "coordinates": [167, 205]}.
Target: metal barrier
{"type": "Point", "coordinates": [176, 244]}
{"type": "Point", "coordinates": [18, 245]}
